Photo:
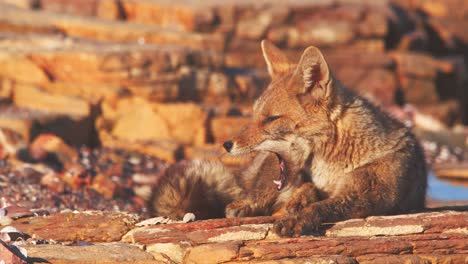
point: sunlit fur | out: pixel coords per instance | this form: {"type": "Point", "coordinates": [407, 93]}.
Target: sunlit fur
{"type": "Point", "coordinates": [200, 187]}
{"type": "Point", "coordinates": [344, 157]}
{"type": "Point", "coordinates": [362, 161]}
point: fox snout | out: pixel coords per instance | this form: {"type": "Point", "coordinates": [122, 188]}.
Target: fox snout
{"type": "Point", "coordinates": [228, 145]}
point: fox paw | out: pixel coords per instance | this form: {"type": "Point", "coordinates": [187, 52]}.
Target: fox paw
{"type": "Point", "coordinates": [302, 198]}
{"type": "Point", "coordinates": [294, 226]}
{"type": "Point", "coordinates": [238, 209]}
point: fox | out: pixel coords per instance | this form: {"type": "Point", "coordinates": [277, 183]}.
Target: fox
{"type": "Point", "coordinates": [338, 155]}
{"type": "Point", "coordinates": [207, 188]}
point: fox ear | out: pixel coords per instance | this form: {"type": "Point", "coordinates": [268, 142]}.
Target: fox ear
{"type": "Point", "coordinates": [277, 62]}
{"type": "Point", "coordinates": [313, 72]}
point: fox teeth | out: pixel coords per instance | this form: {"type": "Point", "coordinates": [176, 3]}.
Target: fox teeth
{"type": "Point", "coordinates": [278, 183]}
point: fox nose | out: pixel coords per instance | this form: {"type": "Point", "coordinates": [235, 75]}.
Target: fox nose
{"type": "Point", "coordinates": [228, 145]}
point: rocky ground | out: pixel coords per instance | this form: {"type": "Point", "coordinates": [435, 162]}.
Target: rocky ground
{"type": "Point", "coordinates": [99, 97]}
{"type": "Point", "coordinates": [111, 237]}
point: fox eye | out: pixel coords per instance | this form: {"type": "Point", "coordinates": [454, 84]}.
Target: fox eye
{"type": "Point", "coordinates": [270, 119]}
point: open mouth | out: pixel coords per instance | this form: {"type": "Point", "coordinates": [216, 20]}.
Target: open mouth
{"type": "Point", "coordinates": [282, 178]}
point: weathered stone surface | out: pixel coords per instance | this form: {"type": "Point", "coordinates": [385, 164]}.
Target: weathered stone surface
{"type": "Point", "coordinates": [138, 121]}
{"type": "Point", "coordinates": [426, 258]}
{"type": "Point", "coordinates": [186, 122]}
{"type": "Point", "coordinates": [175, 252]}
{"type": "Point", "coordinates": [165, 149]}
{"type": "Point", "coordinates": [221, 252]}
{"type": "Point", "coordinates": [10, 140]}
{"type": "Point", "coordinates": [421, 66]}
{"type": "Point", "coordinates": [254, 27]}
{"type": "Point", "coordinates": [31, 97]}
{"type": "Point", "coordinates": [380, 85]}
{"type": "Point", "coordinates": [431, 235]}
{"type": "Point", "coordinates": [29, 123]}
{"type": "Point", "coordinates": [17, 67]}
{"type": "Point", "coordinates": [20, 20]}
{"type": "Point", "coordinates": [182, 232]}
{"type": "Point", "coordinates": [98, 253]}
{"type": "Point", "coordinates": [318, 259]}
{"type": "Point", "coordinates": [93, 71]}
{"type": "Point", "coordinates": [178, 15]}
{"type": "Point", "coordinates": [10, 255]}
{"type": "Point", "coordinates": [455, 171]}
{"type": "Point", "coordinates": [22, 3]}
{"type": "Point", "coordinates": [374, 24]}
{"type": "Point", "coordinates": [418, 91]}
{"type": "Point", "coordinates": [321, 33]}
{"type": "Point", "coordinates": [447, 112]}
{"type": "Point", "coordinates": [243, 233]}
{"type": "Point", "coordinates": [135, 120]}
{"type": "Point", "coordinates": [400, 224]}
{"type": "Point", "coordinates": [82, 8]}
{"type": "Point", "coordinates": [91, 93]}
{"type": "Point", "coordinates": [91, 226]}
{"type": "Point", "coordinates": [307, 247]}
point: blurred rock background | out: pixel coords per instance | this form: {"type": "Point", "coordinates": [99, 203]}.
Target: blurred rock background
{"type": "Point", "coordinates": [174, 79]}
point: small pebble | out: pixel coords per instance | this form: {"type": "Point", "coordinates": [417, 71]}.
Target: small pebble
{"type": "Point", "coordinates": [5, 220]}
{"type": "Point", "coordinates": [188, 217]}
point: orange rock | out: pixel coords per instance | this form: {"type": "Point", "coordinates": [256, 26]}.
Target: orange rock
{"type": "Point", "coordinates": [322, 32]}
{"type": "Point", "coordinates": [10, 255]}
{"type": "Point", "coordinates": [49, 143]}
{"type": "Point", "coordinates": [104, 185]}
{"type": "Point", "coordinates": [379, 85]}
{"type": "Point", "coordinates": [53, 182]}
{"type": "Point", "coordinates": [17, 67]}
{"type": "Point", "coordinates": [20, 20]}
{"type": "Point", "coordinates": [6, 89]}
{"type": "Point", "coordinates": [165, 149]}
{"type": "Point", "coordinates": [186, 122]}
{"type": "Point", "coordinates": [91, 93]}
{"type": "Point", "coordinates": [218, 253]}
{"type": "Point", "coordinates": [186, 17]}
{"type": "Point", "coordinates": [416, 65]}
{"type": "Point", "coordinates": [137, 121]}
{"type": "Point", "coordinates": [32, 97]}
{"type": "Point", "coordinates": [91, 226]}
{"type": "Point", "coordinates": [109, 9]}
{"type": "Point", "coordinates": [10, 141]}
{"type": "Point", "coordinates": [418, 91]}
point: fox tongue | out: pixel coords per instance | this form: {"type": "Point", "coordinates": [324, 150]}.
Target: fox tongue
{"type": "Point", "coordinates": [282, 178]}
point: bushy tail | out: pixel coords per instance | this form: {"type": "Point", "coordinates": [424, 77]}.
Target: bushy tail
{"type": "Point", "coordinates": [200, 187]}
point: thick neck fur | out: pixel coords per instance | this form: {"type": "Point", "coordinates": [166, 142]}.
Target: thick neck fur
{"type": "Point", "coordinates": [353, 118]}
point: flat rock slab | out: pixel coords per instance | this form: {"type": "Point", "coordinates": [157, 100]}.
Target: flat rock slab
{"type": "Point", "coordinates": [413, 238]}
{"type": "Point", "coordinates": [14, 19]}
{"type": "Point", "coordinates": [433, 222]}
{"type": "Point", "coordinates": [41, 58]}
{"type": "Point", "coordinates": [90, 226]}
{"type": "Point", "coordinates": [8, 254]}
{"type": "Point", "coordinates": [216, 230]}
{"type": "Point", "coordinates": [101, 253]}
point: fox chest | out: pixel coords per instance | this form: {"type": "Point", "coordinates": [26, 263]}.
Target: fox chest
{"type": "Point", "coordinates": [327, 178]}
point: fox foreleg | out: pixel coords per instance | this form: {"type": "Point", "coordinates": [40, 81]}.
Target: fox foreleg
{"type": "Point", "coordinates": [311, 218]}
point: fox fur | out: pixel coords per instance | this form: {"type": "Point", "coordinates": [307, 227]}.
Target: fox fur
{"type": "Point", "coordinates": [337, 155]}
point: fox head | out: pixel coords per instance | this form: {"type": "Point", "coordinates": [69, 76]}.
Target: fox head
{"type": "Point", "coordinates": [297, 106]}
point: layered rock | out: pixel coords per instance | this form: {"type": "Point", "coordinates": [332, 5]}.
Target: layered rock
{"type": "Point", "coordinates": [431, 237]}
{"type": "Point", "coordinates": [80, 60]}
